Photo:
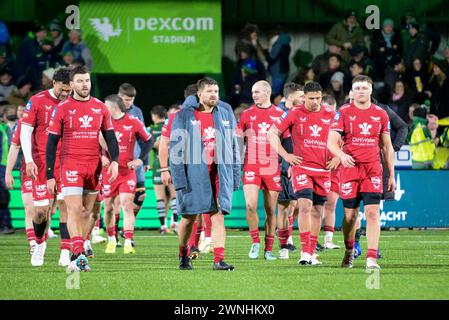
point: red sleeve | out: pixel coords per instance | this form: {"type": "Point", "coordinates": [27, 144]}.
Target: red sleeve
{"type": "Point", "coordinates": [385, 126]}
{"type": "Point", "coordinates": [16, 136]}
{"type": "Point", "coordinates": [285, 121]}
{"type": "Point", "coordinates": [241, 125]}
{"type": "Point", "coordinates": [338, 123]}
{"type": "Point", "coordinates": [141, 131]}
{"type": "Point", "coordinates": [106, 123]}
{"type": "Point", "coordinates": [55, 126]}
{"type": "Point", "coordinates": [30, 113]}
{"type": "Point", "coordinates": [166, 129]}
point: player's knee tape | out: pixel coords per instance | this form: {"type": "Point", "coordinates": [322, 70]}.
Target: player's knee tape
{"type": "Point", "coordinates": [371, 198]}
{"type": "Point", "coordinates": [352, 203]}
{"type": "Point", "coordinates": [139, 197]}
{"type": "Point", "coordinates": [319, 200]}
{"type": "Point", "coordinates": [304, 194]}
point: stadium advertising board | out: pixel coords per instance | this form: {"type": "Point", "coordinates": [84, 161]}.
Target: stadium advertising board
{"type": "Point", "coordinates": [153, 36]}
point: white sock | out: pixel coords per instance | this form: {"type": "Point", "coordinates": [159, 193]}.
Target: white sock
{"type": "Point", "coordinates": [112, 239]}
{"type": "Point", "coordinates": [87, 244]}
{"type": "Point", "coordinates": [290, 240]}
{"type": "Point", "coordinates": [33, 243]}
{"type": "Point", "coordinates": [328, 235]}
{"type": "Point", "coordinates": [128, 241]}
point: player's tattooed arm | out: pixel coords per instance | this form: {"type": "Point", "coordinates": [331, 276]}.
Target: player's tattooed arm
{"type": "Point", "coordinates": [275, 142]}
{"type": "Point", "coordinates": [388, 153]}
{"type": "Point", "coordinates": [334, 147]}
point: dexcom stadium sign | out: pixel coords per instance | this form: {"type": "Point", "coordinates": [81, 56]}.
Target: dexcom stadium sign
{"type": "Point", "coordinates": [153, 36]}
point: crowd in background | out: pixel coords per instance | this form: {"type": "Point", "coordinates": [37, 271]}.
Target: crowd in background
{"type": "Point", "coordinates": [401, 60]}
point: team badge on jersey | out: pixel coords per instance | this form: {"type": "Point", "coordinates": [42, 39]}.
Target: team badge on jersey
{"type": "Point", "coordinates": [284, 115]}
{"type": "Point", "coordinates": [28, 106]}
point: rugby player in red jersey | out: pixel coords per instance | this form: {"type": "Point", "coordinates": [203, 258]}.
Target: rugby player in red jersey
{"type": "Point", "coordinates": [120, 193]}
{"type": "Point", "coordinates": [77, 122]}
{"type": "Point", "coordinates": [365, 129]}
{"type": "Point", "coordinates": [261, 167]}
{"type": "Point", "coordinates": [26, 185]}
{"type": "Point", "coordinates": [33, 139]}
{"type": "Point", "coordinates": [309, 126]}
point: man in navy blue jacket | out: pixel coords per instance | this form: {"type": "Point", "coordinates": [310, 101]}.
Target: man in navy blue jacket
{"type": "Point", "coordinates": [205, 165]}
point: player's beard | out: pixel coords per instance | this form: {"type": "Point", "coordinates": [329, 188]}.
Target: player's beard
{"type": "Point", "coordinates": [211, 103]}
{"type": "Point", "coordinates": [81, 94]}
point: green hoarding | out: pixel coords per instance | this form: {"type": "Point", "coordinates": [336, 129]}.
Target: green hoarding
{"type": "Point", "coordinates": [153, 36]}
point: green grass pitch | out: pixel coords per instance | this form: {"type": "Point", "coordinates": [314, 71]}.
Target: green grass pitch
{"type": "Point", "coordinates": [415, 266]}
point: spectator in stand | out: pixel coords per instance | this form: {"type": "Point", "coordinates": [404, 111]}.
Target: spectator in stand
{"type": "Point", "coordinates": [277, 56]}
{"type": "Point", "coordinates": [409, 119]}
{"type": "Point", "coordinates": [6, 87]}
{"type": "Point", "coordinates": [385, 45]}
{"type": "Point", "coordinates": [358, 55]}
{"type": "Point", "coordinates": [47, 79]}
{"type": "Point", "coordinates": [306, 75]}
{"type": "Point", "coordinates": [30, 52]}
{"type": "Point", "coordinates": [446, 59]}
{"type": "Point", "coordinates": [9, 120]}
{"type": "Point", "coordinates": [417, 45]}
{"type": "Point", "coordinates": [5, 61]}
{"type": "Point", "coordinates": [334, 65]}
{"type": "Point", "coordinates": [432, 125]}
{"type": "Point", "coordinates": [248, 45]}
{"type": "Point", "coordinates": [394, 72]}
{"type": "Point", "coordinates": [346, 34]}
{"type": "Point", "coordinates": [67, 59]}
{"type": "Point", "coordinates": [58, 39]}
{"type": "Point", "coordinates": [439, 90]}
{"type": "Point", "coordinates": [320, 64]}
{"type": "Point", "coordinates": [336, 88]}
{"type": "Point", "coordinates": [79, 49]}
{"type": "Point", "coordinates": [417, 79]}
{"type": "Point", "coordinates": [400, 100]}
{"type": "Point", "coordinates": [22, 94]}
{"type": "Point", "coordinates": [421, 144]}
{"type": "Point", "coordinates": [249, 73]}
{"type": "Point", "coordinates": [433, 36]}
{"type": "Point", "coordinates": [355, 69]}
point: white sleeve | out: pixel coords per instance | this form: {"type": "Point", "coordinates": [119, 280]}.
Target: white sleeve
{"type": "Point", "coordinates": [25, 141]}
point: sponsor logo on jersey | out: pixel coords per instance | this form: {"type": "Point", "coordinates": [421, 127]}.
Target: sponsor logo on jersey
{"type": "Point", "coordinates": [28, 106]}
{"type": "Point", "coordinates": [277, 179]}
{"type": "Point", "coordinates": [352, 118]}
{"type": "Point", "coordinates": [119, 136]}
{"type": "Point", "coordinates": [85, 120]}
{"type": "Point", "coordinates": [274, 119]}
{"type": "Point", "coordinates": [127, 128]}
{"type": "Point", "coordinates": [72, 111]}
{"type": "Point", "coordinates": [301, 119]}
{"type": "Point", "coordinates": [48, 107]}
{"type": "Point", "coordinates": [375, 119]}
{"type": "Point", "coordinates": [28, 184]}
{"type": "Point", "coordinates": [315, 130]}
{"type": "Point", "coordinates": [326, 121]}
{"type": "Point", "coordinates": [365, 128]}
{"type": "Point", "coordinates": [251, 118]}
{"type": "Point", "coordinates": [284, 115]}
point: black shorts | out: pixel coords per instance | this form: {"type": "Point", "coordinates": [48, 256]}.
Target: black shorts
{"type": "Point", "coordinates": [287, 193]}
